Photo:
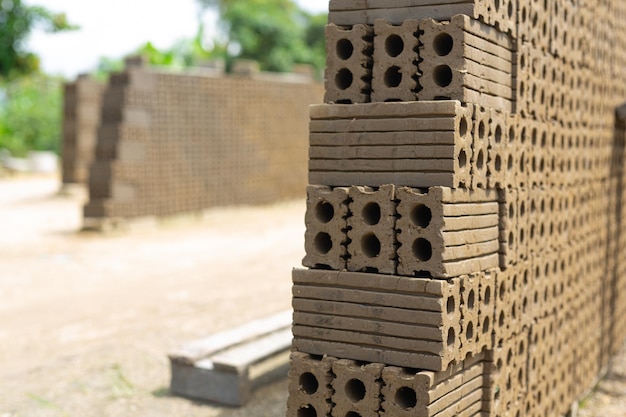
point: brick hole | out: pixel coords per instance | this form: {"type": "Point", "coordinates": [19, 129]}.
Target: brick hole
{"type": "Point", "coordinates": [344, 79]}
{"type": "Point", "coordinates": [394, 45]}
{"type": "Point", "coordinates": [324, 211]}
{"type": "Point", "coordinates": [393, 77]}
{"type": "Point", "coordinates": [509, 163]}
{"type": "Point", "coordinates": [450, 305]}
{"type": "Point", "coordinates": [422, 249]}
{"type": "Point", "coordinates": [471, 300]}
{"type": "Point", "coordinates": [371, 214]}
{"type": "Point", "coordinates": [307, 411]}
{"type": "Point", "coordinates": [323, 243]}
{"type": "Point", "coordinates": [308, 383]}
{"type": "Point", "coordinates": [481, 130]}
{"type": "Point", "coordinates": [463, 126]}
{"type": "Point", "coordinates": [498, 163]}
{"type": "Point", "coordinates": [442, 75]}
{"type": "Point", "coordinates": [480, 160]}
{"type": "Point", "coordinates": [406, 398]}
{"type": "Point", "coordinates": [370, 245]}
{"type": "Point", "coordinates": [487, 297]}
{"type": "Point", "coordinates": [462, 159]}
{"type": "Point", "coordinates": [502, 292]}
{"type": "Point", "coordinates": [510, 10]}
{"type": "Point", "coordinates": [355, 390]}
{"type": "Point", "coordinates": [421, 215]}
{"type": "Point", "coordinates": [486, 325]}
{"type": "Point", "coordinates": [469, 331]}
{"type": "Point", "coordinates": [443, 44]}
{"type": "Point", "coordinates": [344, 49]}
{"type": "Point", "coordinates": [496, 5]}
{"type": "Point", "coordinates": [497, 135]}
{"type": "Point", "coordinates": [501, 319]}
{"type": "Point", "coordinates": [451, 338]}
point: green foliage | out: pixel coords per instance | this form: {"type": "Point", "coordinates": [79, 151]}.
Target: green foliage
{"type": "Point", "coordinates": [16, 22]}
{"type": "Point", "coordinates": [30, 114]}
{"type": "Point", "coordinates": [276, 33]}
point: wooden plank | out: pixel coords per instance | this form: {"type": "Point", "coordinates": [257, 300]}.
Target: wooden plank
{"type": "Point", "coordinates": [196, 350]}
{"type": "Point", "coordinates": [240, 357]}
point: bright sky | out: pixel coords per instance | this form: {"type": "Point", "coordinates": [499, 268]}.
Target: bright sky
{"type": "Point", "coordinates": [114, 28]}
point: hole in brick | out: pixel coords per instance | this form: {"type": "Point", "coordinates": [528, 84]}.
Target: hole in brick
{"type": "Point", "coordinates": [498, 163]}
{"type": "Point", "coordinates": [370, 245]}
{"type": "Point", "coordinates": [463, 126]}
{"type": "Point", "coordinates": [501, 319]}
{"type": "Point", "coordinates": [371, 214]}
{"type": "Point", "coordinates": [480, 162]}
{"type": "Point", "coordinates": [421, 215]}
{"type": "Point", "coordinates": [486, 325]}
{"type": "Point", "coordinates": [422, 249]}
{"type": "Point", "coordinates": [469, 331]}
{"type": "Point", "coordinates": [344, 49]}
{"type": "Point", "coordinates": [394, 45]}
{"type": "Point", "coordinates": [308, 383]}
{"type": "Point", "coordinates": [451, 338]}
{"type": "Point", "coordinates": [406, 398]}
{"type": "Point", "coordinates": [497, 136]}
{"type": "Point", "coordinates": [511, 210]}
{"type": "Point", "coordinates": [343, 79]}
{"type": "Point", "coordinates": [307, 411]}
{"type": "Point", "coordinates": [470, 300]}
{"type": "Point", "coordinates": [509, 163]}
{"type": "Point", "coordinates": [442, 75]}
{"type": "Point", "coordinates": [442, 44]}
{"type": "Point", "coordinates": [324, 211]}
{"type": "Point", "coordinates": [462, 159]}
{"type": "Point", "coordinates": [481, 130]}
{"type": "Point", "coordinates": [511, 241]}
{"type": "Point", "coordinates": [502, 291]}
{"type": "Point", "coordinates": [323, 243]}
{"type": "Point", "coordinates": [487, 299]}
{"type": "Point", "coordinates": [450, 305]}
{"type": "Point", "coordinates": [393, 77]}
{"type": "Point", "coordinates": [355, 390]}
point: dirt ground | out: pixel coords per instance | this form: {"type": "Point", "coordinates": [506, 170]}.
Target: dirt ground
{"type": "Point", "coordinates": [86, 320]}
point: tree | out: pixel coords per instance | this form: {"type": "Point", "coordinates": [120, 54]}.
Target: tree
{"type": "Point", "coordinates": [30, 113]}
{"type": "Point", "coordinates": [276, 33]}
{"type": "Point", "coordinates": [16, 22]}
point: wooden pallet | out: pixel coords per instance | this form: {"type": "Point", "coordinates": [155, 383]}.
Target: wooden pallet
{"type": "Point", "coordinates": [227, 367]}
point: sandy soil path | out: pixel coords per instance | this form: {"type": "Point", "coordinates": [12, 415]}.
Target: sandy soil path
{"type": "Point", "coordinates": [86, 320]}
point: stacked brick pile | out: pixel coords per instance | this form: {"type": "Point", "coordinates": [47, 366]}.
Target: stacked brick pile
{"type": "Point", "coordinates": [81, 116]}
{"type": "Point", "coordinates": [172, 143]}
{"type": "Point", "coordinates": [464, 244]}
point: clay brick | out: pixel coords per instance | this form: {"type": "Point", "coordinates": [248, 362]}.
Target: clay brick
{"type": "Point", "coordinates": [356, 388]}
{"type": "Point", "coordinates": [458, 62]}
{"type": "Point", "coordinates": [309, 384]}
{"type": "Point", "coordinates": [395, 74]}
{"type": "Point", "coordinates": [426, 246]}
{"type": "Point", "coordinates": [351, 15]}
{"type": "Point", "coordinates": [348, 63]}
{"type": "Point", "coordinates": [371, 229]}
{"type": "Point", "coordinates": [325, 219]}
{"type": "Point", "coordinates": [357, 133]}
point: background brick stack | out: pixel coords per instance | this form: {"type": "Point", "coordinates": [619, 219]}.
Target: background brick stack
{"type": "Point", "coordinates": [465, 255]}
{"type": "Point", "coordinates": [172, 143]}
{"type": "Point", "coordinates": [81, 117]}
